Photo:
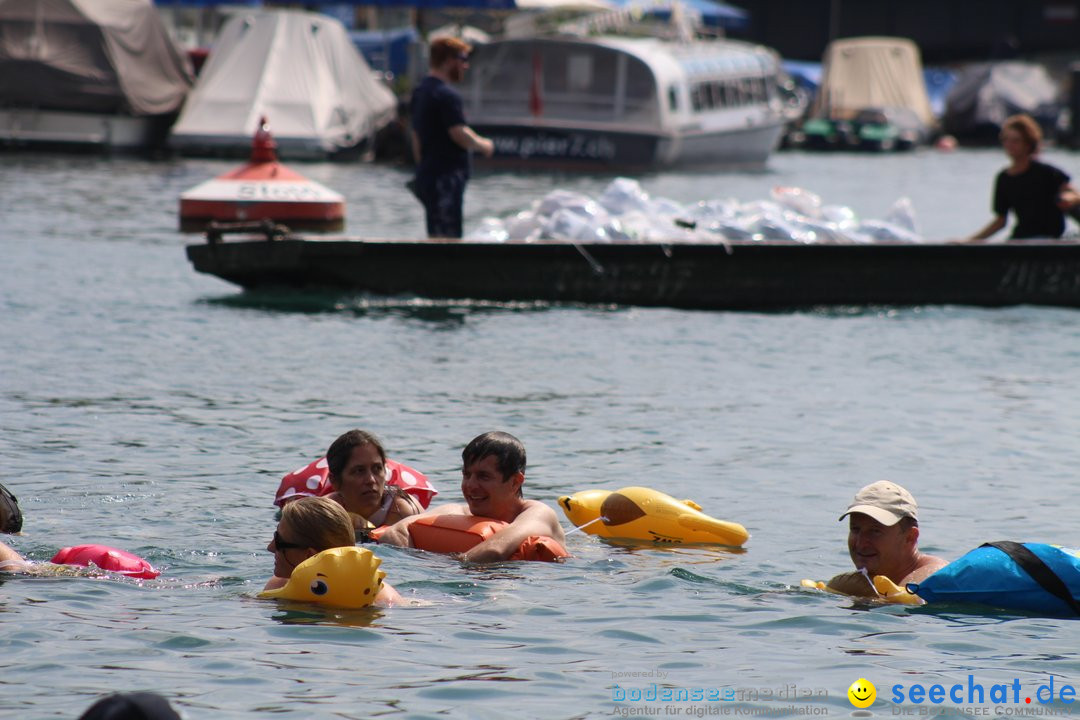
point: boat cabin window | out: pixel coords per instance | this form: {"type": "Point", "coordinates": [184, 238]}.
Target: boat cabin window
{"type": "Point", "coordinates": [729, 93]}
{"type": "Point", "coordinates": [673, 98]}
{"type": "Point", "coordinates": [579, 73]}
{"type": "Point", "coordinates": [576, 81]}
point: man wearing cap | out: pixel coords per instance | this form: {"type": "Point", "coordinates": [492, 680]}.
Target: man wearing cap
{"type": "Point", "coordinates": [442, 140]}
{"type": "Point", "coordinates": [883, 536]}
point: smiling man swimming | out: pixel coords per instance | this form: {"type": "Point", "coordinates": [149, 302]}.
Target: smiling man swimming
{"type": "Point", "coordinates": [492, 473]}
{"type": "Point", "coordinates": [883, 537]}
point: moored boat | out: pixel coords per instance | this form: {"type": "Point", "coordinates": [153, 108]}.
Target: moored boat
{"type": "Point", "coordinates": [297, 68]}
{"type": "Point", "coordinates": [91, 73]}
{"type": "Point", "coordinates": [872, 97]}
{"type": "Point", "coordinates": [620, 102]}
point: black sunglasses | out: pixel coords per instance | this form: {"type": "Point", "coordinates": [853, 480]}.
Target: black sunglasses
{"type": "Point", "coordinates": [282, 545]}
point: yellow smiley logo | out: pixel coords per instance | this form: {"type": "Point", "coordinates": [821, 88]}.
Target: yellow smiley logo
{"type": "Point", "coordinates": [862, 693]}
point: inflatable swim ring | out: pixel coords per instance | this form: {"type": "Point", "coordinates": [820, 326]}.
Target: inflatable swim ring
{"type": "Point", "coordinates": [638, 513]}
{"type": "Point", "coordinates": [106, 558]}
{"type": "Point", "coordinates": [461, 533]}
{"type": "Point", "coordinates": [344, 577]}
{"type": "Point", "coordinates": [313, 479]}
{"type": "Point", "coordinates": [1034, 577]}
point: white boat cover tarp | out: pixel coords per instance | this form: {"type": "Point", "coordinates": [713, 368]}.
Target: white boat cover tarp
{"type": "Point", "coordinates": [986, 94]}
{"type": "Point", "coordinates": [96, 56]}
{"type": "Point", "coordinates": [872, 72]}
{"type": "Point", "coordinates": [298, 69]}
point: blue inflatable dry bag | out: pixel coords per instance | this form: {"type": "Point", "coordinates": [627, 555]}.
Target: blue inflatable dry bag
{"type": "Point", "coordinates": [1034, 577]}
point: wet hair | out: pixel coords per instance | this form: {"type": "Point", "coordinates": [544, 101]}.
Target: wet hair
{"type": "Point", "coordinates": [339, 452]}
{"type": "Point", "coordinates": [131, 706]}
{"type": "Point", "coordinates": [444, 48]}
{"type": "Point", "coordinates": [1027, 127]}
{"type": "Point", "coordinates": [319, 522]}
{"type": "Point", "coordinates": [11, 519]}
{"type": "Point", "coordinates": [508, 451]}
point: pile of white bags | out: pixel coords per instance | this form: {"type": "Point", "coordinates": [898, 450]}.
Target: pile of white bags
{"type": "Point", "coordinates": [624, 212]}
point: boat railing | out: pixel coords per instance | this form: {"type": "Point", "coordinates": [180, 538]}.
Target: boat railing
{"type": "Point", "coordinates": [216, 231]}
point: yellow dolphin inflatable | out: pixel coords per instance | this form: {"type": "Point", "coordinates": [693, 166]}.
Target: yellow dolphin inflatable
{"type": "Point", "coordinates": [886, 591]}
{"type": "Point", "coordinates": [637, 513]}
{"type": "Point", "coordinates": [344, 577]}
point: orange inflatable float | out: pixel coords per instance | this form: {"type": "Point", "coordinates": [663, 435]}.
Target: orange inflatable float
{"type": "Point", "coordinates": [461, 533]}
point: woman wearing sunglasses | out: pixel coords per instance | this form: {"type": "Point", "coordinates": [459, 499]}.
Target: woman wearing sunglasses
{"type": "Point", "coordinates": [308, 526]}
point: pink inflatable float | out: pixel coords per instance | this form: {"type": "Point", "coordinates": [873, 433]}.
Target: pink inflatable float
{"type": "Point", "coordinates": [106, 558]}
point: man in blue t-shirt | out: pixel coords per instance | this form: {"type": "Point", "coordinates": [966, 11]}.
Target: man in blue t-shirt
{"type": "Point", "coordinates": [442, 140]}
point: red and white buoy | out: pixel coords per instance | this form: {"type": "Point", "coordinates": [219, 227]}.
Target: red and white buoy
{"type": "Point", "coordinates": [264, 189]}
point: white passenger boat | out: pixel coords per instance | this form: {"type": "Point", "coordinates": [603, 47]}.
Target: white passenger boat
{"type": "Point", "coordinates": [612, 101]}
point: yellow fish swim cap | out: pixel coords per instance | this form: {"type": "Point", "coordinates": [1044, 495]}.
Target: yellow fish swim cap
{"type": "Point", "coordinates": [345, 577]}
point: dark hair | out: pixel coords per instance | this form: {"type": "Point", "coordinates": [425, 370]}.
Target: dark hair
{"type": "Point", "coordinates": [131, 706]}
{"type": "Point", "coordinates": [1028, 129]}
{"type": "Point", "coordinates": [11, 519]}
{"type": "Point", "coordinates": [444, 48]}
{"type": "Point", "coordinates": [337, 456]}
{"type": "Point", "coordinates": [508, 451]}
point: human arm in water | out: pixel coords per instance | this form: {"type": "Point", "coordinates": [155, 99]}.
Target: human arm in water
{"type": "Point", "coordinates": [398, 533]}
{"type": "Point", "coordinates": [10, 560]}
{"type": "Point", "coordinates": [536, 519]}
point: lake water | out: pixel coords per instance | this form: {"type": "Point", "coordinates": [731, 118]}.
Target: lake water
{"type": "Point", "coordinates": [150, 408]}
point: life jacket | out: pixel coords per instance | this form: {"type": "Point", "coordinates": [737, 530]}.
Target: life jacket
{"type": "Point", "coordinates": [461, 533]}
{"type": "Point", "coordinates": [313, 480]}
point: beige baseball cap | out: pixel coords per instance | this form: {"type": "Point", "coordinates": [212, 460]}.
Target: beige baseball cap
{"type": "Point", "coordinates": [886, 502]}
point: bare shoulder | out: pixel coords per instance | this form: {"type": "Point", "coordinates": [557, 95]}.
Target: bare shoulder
{"type": "Point", "coordinates": [928, 565]}
{"type": "Point", "coordinates": [543, 517]}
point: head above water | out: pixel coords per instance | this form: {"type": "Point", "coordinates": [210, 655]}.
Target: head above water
{"type": "Point", "coordinates": [885, 502]}
{"type": "Point", "coordinates": [508, 451]}
{"type": "Point", "coordinates": [318, 523]}
{"type": "Point", "coordinates": [11, 519]}
{"type": "Point", "coordinates": [339, 452]}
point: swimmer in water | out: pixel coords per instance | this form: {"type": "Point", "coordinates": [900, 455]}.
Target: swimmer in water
{"type": "Point", "coordinates": [308, 526]}
{"type": "Point", "coordinates": [356, 462]}
{"type": "Point", "coordinates": [492, 473]}
{"type": "Point", "coordinates": [883, 537]}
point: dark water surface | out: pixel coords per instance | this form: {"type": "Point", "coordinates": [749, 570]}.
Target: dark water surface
{"type": "Point", "coordinates": [148, 407]}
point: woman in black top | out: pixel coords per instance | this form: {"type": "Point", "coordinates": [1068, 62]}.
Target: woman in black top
{"type": "Point", "coordinates": [1039, 194]}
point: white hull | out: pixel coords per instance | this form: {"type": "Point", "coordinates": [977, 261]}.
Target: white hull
{"type": "Point", "coordinates": [735, 146]}
{"type": "Point", "coordinates": [42, 127]}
